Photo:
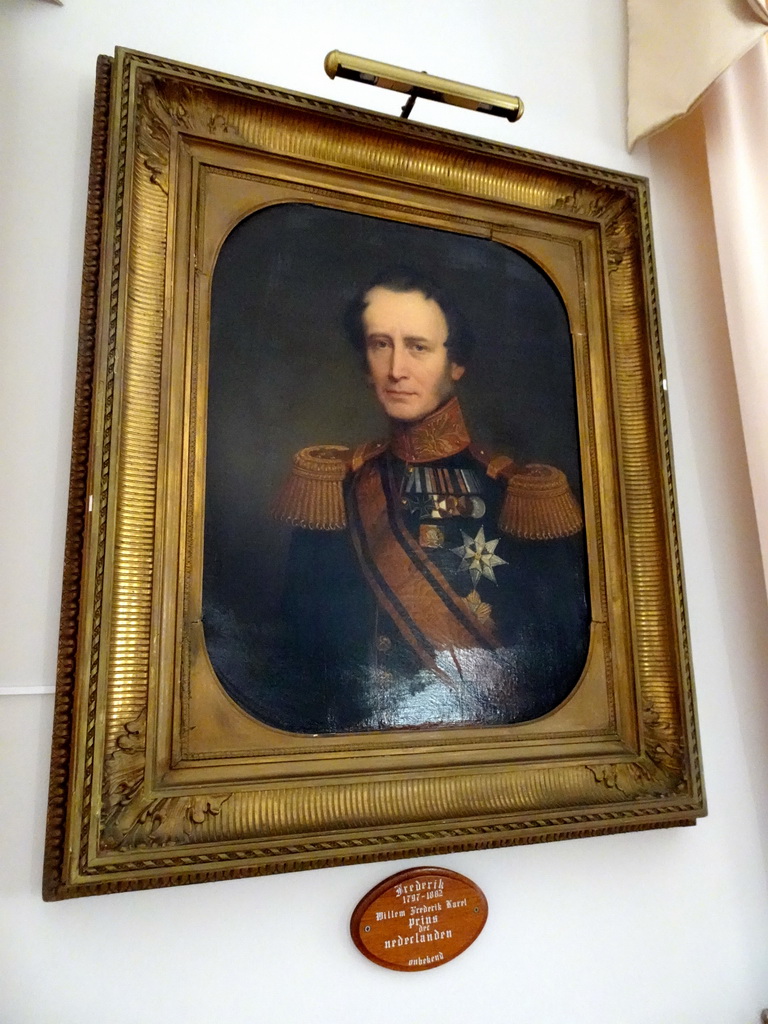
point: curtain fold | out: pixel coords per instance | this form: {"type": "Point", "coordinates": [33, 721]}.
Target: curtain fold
{"type": "Point", "coordinates": [679, 52]}
{"type": "Point", "coordinates": [677, 48]}
{"type": "Point", "coordinates": [735, 113]}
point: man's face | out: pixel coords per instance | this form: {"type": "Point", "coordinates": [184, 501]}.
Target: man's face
{"type": "Point", "coordinates": [408, 364]}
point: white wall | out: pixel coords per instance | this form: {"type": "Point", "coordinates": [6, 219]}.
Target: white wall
{"type": "Point", "coordinates": [666, 927]}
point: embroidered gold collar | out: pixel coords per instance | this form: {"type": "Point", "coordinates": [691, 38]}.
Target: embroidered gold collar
{"type": "Point", "coordinates": [437, 436]}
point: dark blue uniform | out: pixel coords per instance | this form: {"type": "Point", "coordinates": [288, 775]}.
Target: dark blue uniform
{"type": "Point", "coordinates": [419, 607]}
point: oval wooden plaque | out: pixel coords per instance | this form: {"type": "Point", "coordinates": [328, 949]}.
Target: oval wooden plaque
{"type": "Point", "coordinates": [418, 919]}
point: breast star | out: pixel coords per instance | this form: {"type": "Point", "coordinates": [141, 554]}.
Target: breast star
{"type": "Point", "coordinates": [478, 556]}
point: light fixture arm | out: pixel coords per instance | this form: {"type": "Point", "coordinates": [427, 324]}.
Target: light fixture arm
{"type": "Point", "coordinates": [420, 85]}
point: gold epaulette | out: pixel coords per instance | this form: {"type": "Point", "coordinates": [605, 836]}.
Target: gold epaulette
{"type": "Point", "coordinates": [538, 503]}
{"type": "Point", "coordinates": [313, 495]}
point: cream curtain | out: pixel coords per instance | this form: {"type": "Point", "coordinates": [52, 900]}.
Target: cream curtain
{"type": "Point", "coordinates": [736, 134]}
{"type": "Point", "coordinates": [677, 48]}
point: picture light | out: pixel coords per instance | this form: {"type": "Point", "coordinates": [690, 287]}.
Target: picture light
{"type": "Point", "coordinates": [420, 85]}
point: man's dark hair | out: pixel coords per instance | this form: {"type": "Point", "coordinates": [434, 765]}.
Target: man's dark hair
{"type": "Point", "coordinates": [460, 341]}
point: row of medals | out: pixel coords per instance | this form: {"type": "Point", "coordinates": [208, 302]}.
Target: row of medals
{"type": "Point", "coordinates": [436, 494]}
{"type": "Point", "coordinates": [442, 493]}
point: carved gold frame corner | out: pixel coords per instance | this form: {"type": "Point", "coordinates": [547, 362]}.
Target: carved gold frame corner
{"type": "Point", "coordinates": [180, 155]}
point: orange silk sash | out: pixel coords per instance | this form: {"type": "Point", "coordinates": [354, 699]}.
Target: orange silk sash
{"type": "Point", "coordinates": [426, 610]}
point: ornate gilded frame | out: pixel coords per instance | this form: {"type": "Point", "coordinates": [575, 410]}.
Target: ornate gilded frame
{"type": "Point", "coordinates": [176, 153]}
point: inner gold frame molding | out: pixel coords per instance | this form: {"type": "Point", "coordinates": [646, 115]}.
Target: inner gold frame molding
{"type": "Point", "coordinates": [180, 155]}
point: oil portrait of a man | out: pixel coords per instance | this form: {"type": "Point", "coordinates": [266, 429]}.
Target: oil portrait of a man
{"type": "Point", "coordinates": [422, 576]}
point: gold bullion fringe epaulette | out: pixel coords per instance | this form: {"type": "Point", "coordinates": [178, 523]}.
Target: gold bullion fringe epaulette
{"type": "Point", "coordinates": [313, 494]}
{"type": "Point", "coordinates": [538, 503]}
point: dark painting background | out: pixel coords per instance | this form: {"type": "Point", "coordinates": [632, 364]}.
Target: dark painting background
{"type": "Point", "coordinates": [283, 376]}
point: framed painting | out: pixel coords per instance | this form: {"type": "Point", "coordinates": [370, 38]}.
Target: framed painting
{"type": "Point", "coordinates": [372, 548]}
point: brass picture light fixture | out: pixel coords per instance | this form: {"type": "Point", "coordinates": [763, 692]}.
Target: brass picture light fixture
{"type": "Point", "coordinates": [420, 85]}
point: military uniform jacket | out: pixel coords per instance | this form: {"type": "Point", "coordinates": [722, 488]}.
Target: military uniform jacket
{"type": "Point", "coordinates": [428, 584]}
